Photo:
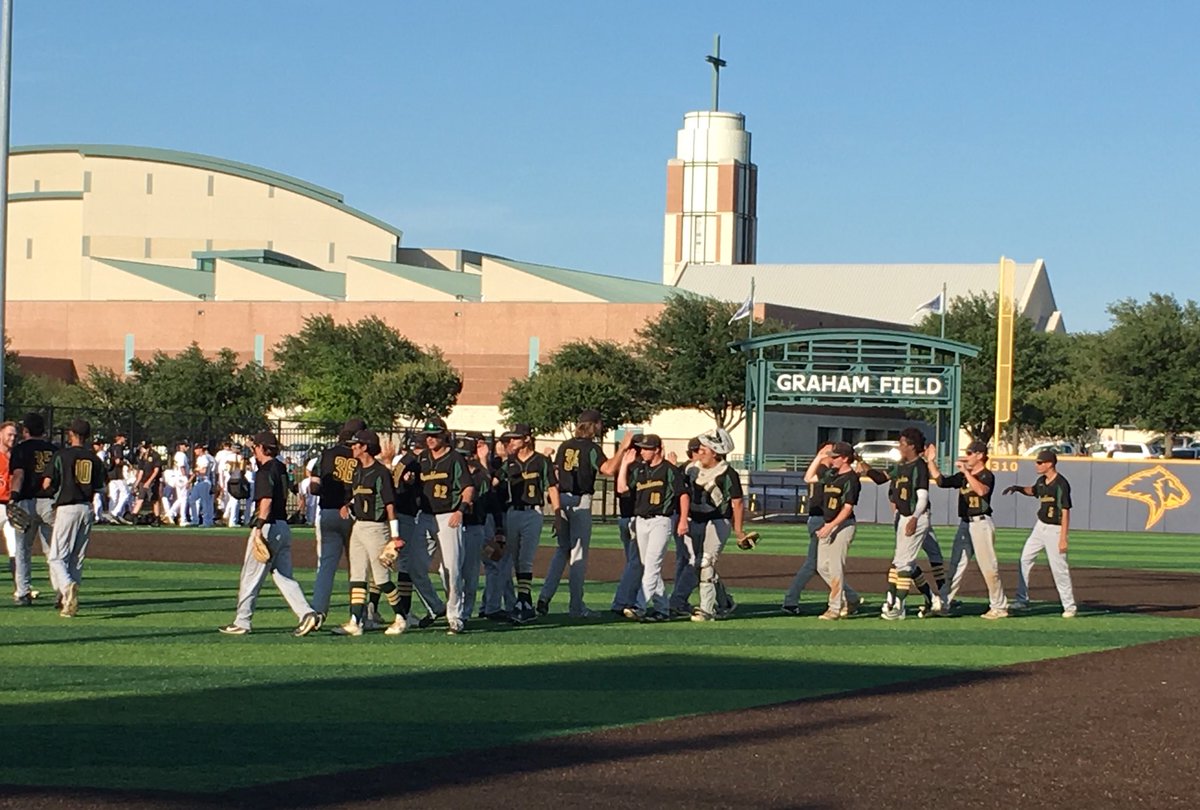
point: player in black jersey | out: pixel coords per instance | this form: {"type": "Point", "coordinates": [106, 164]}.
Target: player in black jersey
{"type": "Point", "coordinates": [330, 481]}
{"type": "Point", "coordinates": [840, 491]}
{"type": "Point", "coordinates": [29, 465]}
{"type": "Point", "coordinates": [529, 479]}
{"type": "Point", "coordinates": [499, 592]}
{"type": "Point", "coordinates": [578, 461]}
{"type": "Point", "coordinates": [412, 569]}
{"type": "Point", "coordinates": [1050, 532]}
{"type": "Point", "coordinates": [910, 496]}
{"type": "Point", "coordinates": [446, 494]}
{"type": "Point", "coordinates": [976, 532]}
{"type": "Point", "coordinates": [269, 521]}
{"type": "Point", "coordinates": [76, 475]}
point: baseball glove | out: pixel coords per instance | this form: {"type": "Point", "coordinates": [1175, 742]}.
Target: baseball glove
{"type": "Point", "coordinates": [261, 551]}
{"type": "Point", "coordinates": [748, 542]}
{"type": "Point", "coordinates": [389, 555]}
{"type": "Point", "coordinates": [19, 518]}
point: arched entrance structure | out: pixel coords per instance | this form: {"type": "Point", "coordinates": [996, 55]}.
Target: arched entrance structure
{"type": "Point", "coordinates": [859, 368]}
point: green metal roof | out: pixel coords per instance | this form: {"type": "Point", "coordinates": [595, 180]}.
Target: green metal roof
{"type": "Point", "coordinates": [198, 161]}
{"type": "Point", "coordinates": [254, 255]}
{"type": "Point", "coordinates": [22, 196]}
{"type": "Point", "coordinates": [187, 280]}
{"type": "Point", "coordinates": [320, 282]}
{"type": "Point", "coordinates": [612, 289]}
{"type": "Point", "coordinates": [451, 282]}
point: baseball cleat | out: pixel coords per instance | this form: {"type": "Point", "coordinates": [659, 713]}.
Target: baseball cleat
{"type": "Point", "coordinates": [429, 619]}
{"type": "Point", "coordinates": [1069, 613]}
{"type": "Point", "coordinates": [23, 601]}
{"type": "Point", "coordinates": [727, 609]}
{"type": "Point", "coordinates": [320, 621]}
{"type": "Point", "coordinates": [632, 613]}
{"type": "Point", "coordinates": [310, 622]}
{"type": "Point", "coordinates": [498, 616]}
{"type": "Point", "coordinates": [34, 593]}
{"type": "Point", "coordinates": [996, 614]}
{"type": "Point", "coordinates": [791, 610]}
{"type": "Point", "coordinates": [584, 613]}
{"type": "Point", "coordinates": [350, 628]}
{"type": "Point", "coordinates": [234, 630]}
{"type": "Point", "coordinates": [699, 615]}
{"type": "Point", "coordinates": [656, 617]}
{"type": "Point", "coordinates": [371, 621]}
{"type": "Point", "coordinates": [677, 612]}
{"type": "Point", "coordinates": [893, 614]}
{"type": "Point", "coordinates": [70, 602]}
{"type": "Point", "coordinates": [830, 615]}
{"type": "Point", "coordinates": [1017, 605]}
{"type": "Point", "coordinates": [396, 627]}
{"type": "Point", "coordinates": [455, 629]}
{"type": "Point", "coordinates": [543, 607]}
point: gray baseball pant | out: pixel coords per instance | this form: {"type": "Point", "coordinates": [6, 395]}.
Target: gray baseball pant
{"type": "Point", "coordinates": [278, 537]}
{"type": "Point", "coordinates": [68, 544]}
{"type": "Point", "coordinates": [809, 568]}
{"type": "Point", "coordinates": [414, 561]}
{"type": "Point", "coordinates": [367, 540]}
{"type": "Point", "coordinates": [474, 537]}
{"type": "Point", "coordinates": [653, 536]}
{"type": "Point", "coordinates": [41, 511]}
{"type": "Point", "coordinates": [983, 540]}
{"type": "Point", "coordinates": [574, 540]}
{"type": "Point", "coordinates": [1045, 536]}
{"type": "Point", "coordinates": [333, 538]}
{"type": "Point", "coordinates": [629, 588]}
{"type": "Point", "coordinates": [909, 546]}
{"type": "Point", "coordinates": [450, 541]}
{"type": "Point", "coordinates": [687, 568]}
{"type": "Point", "coordinates": [960, 558]}
{"type": "Point", "coordinates": [499, 593]}
{"type": "Point", "coordinates": [831, 563]}
{"type": "Point", "coordinates": [710, 537]}
{"type": "Point", "coordinates": [524, 531]}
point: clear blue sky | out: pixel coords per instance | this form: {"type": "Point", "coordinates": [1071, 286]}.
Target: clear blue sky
{"type": "Point", "coordinates": [883, 131]}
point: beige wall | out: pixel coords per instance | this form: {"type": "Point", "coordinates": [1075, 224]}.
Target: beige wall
{"type": "Point", "coordinates": [55, 271]}
{"type": "Point", "coordinates": [236, 283]}
{"type": "Point", "coordinates": [502, 282]}
{"type": "Point", "coordinates": [366, 283]}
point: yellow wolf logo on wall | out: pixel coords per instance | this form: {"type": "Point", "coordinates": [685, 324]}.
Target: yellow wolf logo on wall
{"type": "Point", "coordinates": [1157, 487]}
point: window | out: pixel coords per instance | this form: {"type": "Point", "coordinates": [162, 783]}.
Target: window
{"type": "Point", "coordinates": [211, 184]}
{"type": "Point", "coordinates": [86, 247]}
{"type": "Point", "coordinates": [87, 182]}
{"type": "Point", "coordinates": [149, 183]}
{"type": "Point", "coordinates": [146, 253]}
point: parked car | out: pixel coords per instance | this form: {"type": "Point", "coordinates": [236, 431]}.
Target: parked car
{"type": "Point", "coordinates": [1186, 453]}
{"type": "Point", "coordinates": [1061, 448]}
{"type": "Point", "coordinates": [1126, 450]}
{"type": "Point", "coordinates": [879, 453]}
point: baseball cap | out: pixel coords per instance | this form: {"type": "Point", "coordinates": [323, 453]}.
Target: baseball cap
{"type": "Point", "coordinates": [434, 426]}
{"type": "Point", "coordinates": [647, 441]}
{"type": "Point", "coordinates": [354, 425]}
{"type": "Point", "coordinates": [414, 439]}
{"type": "Point", "coordinates": [465, 444]}
{"type": "Point", "coordinates": [842, 449]}
{"type": "Point", "coordinates": [368, 437]}
{"type": "Point", "coordinates": [977, 447]}
{"type": "Point", "coordinates": [518, 431]}
{"type": "Point", "coordinates": [1047, 456]}
{"type": "Point", "coordinates": [266, 440]}
{"type": "Point", "coordinates": [589, 415]}
{"type": "Point", "coordinates": [693, 446]}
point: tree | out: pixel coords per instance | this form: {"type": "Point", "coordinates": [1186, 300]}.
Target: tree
{"type": "Point", "coordinates": [1039, 361]}
{"type": "Point", "coordinates": [583, 374]}
{"type": "Point", "coordinates": [687, 347]}
{"type": "Point", "coordinates": [1150, 360]}
{"type": "Point", "coordinates": [326, 367]}
{"type": "Point", "coordinates": [1077, 407]}
{"type": "Point", "coordinates": [417, 390]}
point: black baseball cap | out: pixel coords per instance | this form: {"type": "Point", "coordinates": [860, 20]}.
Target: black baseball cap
{"type": "Point", "coordinates": [693, 445]}
{"type": "Point", "coordinates": [647, 441]}
{"type": "Point", "coordinates": [414, 439]}
{"type": "Point", "coordinates": [81, 428]}
{"type": "Point", "coordinates": [266, 440]}
{"type": "Point", "coordinates": [977, 447]}
{"type": "Point", "coordinates": [368, 437]}
{"type": "Point", "coordinates": [1047, 456]}
{"type": "Point", "coordinates": [517, 431]}
{"type": "Point", "coordinates": [589, 415]}
{"type": "Point", "coordinates": [842, 449]}
{"type": "Point", "coordinates": [465, 445]}
{"type": "Point", "coordinates": [435, 426]}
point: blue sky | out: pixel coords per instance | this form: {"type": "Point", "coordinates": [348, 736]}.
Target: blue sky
{"type": "Point", "coordinates": [883, 131]}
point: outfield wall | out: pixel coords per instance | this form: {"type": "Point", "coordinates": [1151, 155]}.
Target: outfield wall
{"type": "Point", "coordinates": [1156, 495]}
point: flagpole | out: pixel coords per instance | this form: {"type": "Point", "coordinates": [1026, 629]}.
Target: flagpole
{"type": "Point", "coordinates": [943, 308]}
{"type": "Point", "coordinates": [750, 335]}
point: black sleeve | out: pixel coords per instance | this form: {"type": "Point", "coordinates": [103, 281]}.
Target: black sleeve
{"type": "Point", "coordinates": [1065, 487]}
{"type": "Point", "coordinates": [853, 489]}
{"type": "Point", "coordinates": [262, 482]}
{"type": "Point", "coordinates": [956, 481]}
{"type": "Point", "coordinates": [735, 484]}
{"type": "Point", "coordinates": [386, 489]}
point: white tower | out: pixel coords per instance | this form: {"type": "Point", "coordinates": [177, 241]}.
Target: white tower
{"type": "Point", "coordinates": [712, 188]}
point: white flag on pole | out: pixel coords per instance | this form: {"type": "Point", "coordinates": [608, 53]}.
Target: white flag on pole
{"type": "Point", "coordinates": [744, 310]}
{"type": "Point", "coordinates": [935, 306]}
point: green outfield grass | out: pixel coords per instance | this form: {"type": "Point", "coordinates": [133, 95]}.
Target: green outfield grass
{"type": "Point", "coordinates": [140, 691]}
{"type": "Point", "coordinates": [1146, 551]}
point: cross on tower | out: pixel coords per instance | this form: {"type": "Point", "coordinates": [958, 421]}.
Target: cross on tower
{"type": "Point", "coordinates": [717, 62]}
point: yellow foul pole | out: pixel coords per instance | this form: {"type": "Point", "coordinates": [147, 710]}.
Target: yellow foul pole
{"type": "Point", "coordinates": [1004, 347]}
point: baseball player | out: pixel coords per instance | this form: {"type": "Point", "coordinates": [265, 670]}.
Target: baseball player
{"type": "Point", "coordinates": [499, 593]}
{"type": "Point", "coordinates": [578, 461]}
{"type": "Point", "coordinates": [839, 494]}
{"type": "Point", "coordinates": [628, 596]}
{"type": "Point", "coordinates": [820, 470]}
{"type": "Point", "coordinates": [529, 479]}
{"type": "Point", "coordinates": [30, 466]}
{"type": "Point", "coordinates": [330, 480]}
{"type": "Point", "coordinates": [99, 514]}
{"type": "Point", "coordinates": [446, 494]}
{"type": "Point", "coordinates": [75, 476]}
{"type": "Point", "coordinates": [200, 491]}
{"type": "Point", "coordinates": [177, 478]}
{"type": "Point", "coordinates": [974, 482]}
{"type": "Point", "coordinates": [716, 508]}
{"type": "Point", "coordinates": [149, 481]}
{"type": "Point", "coordinates": [687, 554]}
{"type": "Point", "coordinates": [269, 526]}
{"type": "Point", "coordinates": [479, 524]}
{"type": "Point", "coordinates": [8, 436]}
{"type": "Point", "coordinates": [374, 537]}
{"type": "Point", "coordinates": [658, 494]}
{"type": "Point", "coordinates": [1050, 532]}
{"type": "Point", "coordinates": [118, 488]}
{"type": "Point", "coordinates": [415, 557]}
{"type": "Point", "coordinates": [910, 496]}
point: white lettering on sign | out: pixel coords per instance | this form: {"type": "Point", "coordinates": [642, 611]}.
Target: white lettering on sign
{"type": "Point", "coordinates": [859, 384]}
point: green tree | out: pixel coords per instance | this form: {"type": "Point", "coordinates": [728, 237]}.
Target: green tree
{"type": "Point", "coordinates": [1150, 360]}
{"type": "Point", "coordinates": [1039, 361]}
{"type": "Point", "coordinates": [583, 374]}
{"type": "Point", "coordinates": [1077, 407]}
{"type": "Point", "coordinates": [417, 390]}
{"type": "Point", "coordinates": [687, 347]}
{"type": "Point", "coordinates": [326, 368]}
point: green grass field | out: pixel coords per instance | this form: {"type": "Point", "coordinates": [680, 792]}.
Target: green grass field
{"type": "Point", "coordinates": [140, 691]}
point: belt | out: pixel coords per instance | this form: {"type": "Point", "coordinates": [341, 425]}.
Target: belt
{"type": "Point", "coordinates": [524, 507]}
{"type": "Point", "coordinates": [977, 517]}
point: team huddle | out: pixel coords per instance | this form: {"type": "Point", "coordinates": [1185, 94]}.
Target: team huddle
{"type": "Point", "coordinates": [835, 479]}
{"type": "Point", "coordinates": [481, 509]}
